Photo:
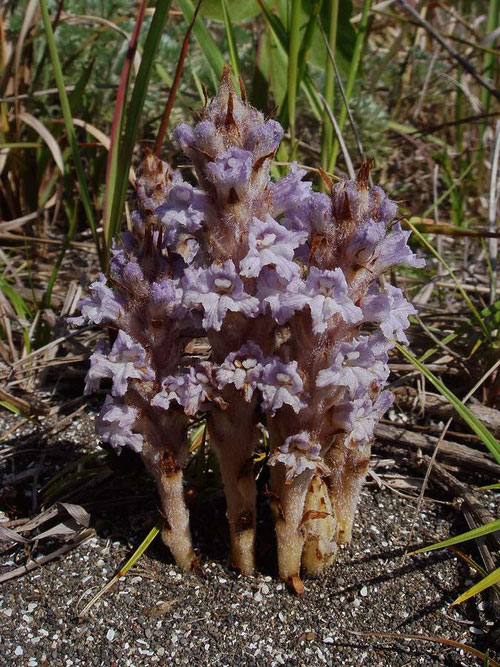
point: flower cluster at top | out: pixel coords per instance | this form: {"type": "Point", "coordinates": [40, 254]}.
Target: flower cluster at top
{"type": "Point", "coordinates": [283, 281]}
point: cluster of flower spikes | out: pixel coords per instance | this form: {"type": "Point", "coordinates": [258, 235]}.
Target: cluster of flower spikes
{"type": "Point", "coordinates": [284, 283]}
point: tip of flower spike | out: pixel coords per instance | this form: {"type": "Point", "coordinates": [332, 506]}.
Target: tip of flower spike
{"type": "Point", "coordinates": [363, 177]}
{"type": "Point", "coordinates": [325, 178]}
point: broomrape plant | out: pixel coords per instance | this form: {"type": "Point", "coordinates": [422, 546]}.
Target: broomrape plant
{"type": "Point", "coordinates": [284, 283]}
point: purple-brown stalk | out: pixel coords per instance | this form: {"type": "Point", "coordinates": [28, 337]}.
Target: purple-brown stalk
{"type": "Point", "coordinates": [284, 283]}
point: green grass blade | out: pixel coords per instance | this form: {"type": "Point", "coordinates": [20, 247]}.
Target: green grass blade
{"type": "Point", "coordinates": [478, 427]}
{"type": "Point", "coordinates": [20, 306]}
{"type": "Point", "coordinates": [481, 531]}
{"type": "Point", "coordinates": [134, 111]}
{"type": "Point", "coordinates": [491, 580]}
{"type": "Point", "coordinates": [231, 42]}
{"type": "Point", "coordinates": [205, 40]}
{"type": "Point", "coordinates": [293, 62]}
{"type": "Point", "coordinates": [351, 78]}
{"type": "Point", "coordinates": [489, 487]}
{"type": "Point", "coordinates": [327, 133]}
{"type": "Point", "coordinates": [277, 29]}
{"type": "Point", "coordinates": [130, 563]}
{"type": "Point", "coordinates": [68, 122]}
{"type": "Point", "coordinates": [112, 167]}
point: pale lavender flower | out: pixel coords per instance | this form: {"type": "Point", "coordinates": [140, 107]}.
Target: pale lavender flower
{"type": "Point", "coordinates": [281, 385]}
{"type": "Point", "coordinates": [290, 192]}
{"type": "Point", "coordinates": [358, 417]}
{"type": "Point", "coordinates": [217, 290]}
{"type": "Point", "coordinates": [126, 360]}
{"type": "Point", "coordinates": [115, 423]}
{"type": "Point", "coordinates": [243, 369]}
{"type": "Point", "coordinates": [298, 453]}
{"type": "Point", "coordinates": [103, 305]}
{"type": "Point", "coordinates": [185, 210]}
{"type": "Point", "coordinates": [271, 244]}
{"type": "Point", "coordinates": [355, 367]}
{"type": "Point", "coordinates": [231, 171]}
{"type": "Point", "coordinates": [328, 297]}
{"type": "Point", "coordinates": [263, 138]}
{"type": "Point", "coordinates": [172, 389]}
{"type": "Point", "coordinates": [394, 249]}
{"type": "Point", "coordinates": [190, 389]}
{"type": "Point", "coordinates": [284, 298]}
{"type": "Point", "coordinates": [389, 309]}
{"type": "Point", "coordinates": [166, 299]}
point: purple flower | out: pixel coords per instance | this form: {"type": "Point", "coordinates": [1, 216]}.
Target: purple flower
{"type": "Point", "coordinates": [356, 366]}
{"type": "Point", "coordinates": [298, 454]}
{"type": "Point", "coordinates": [290, 192]}
{"type": "Point", "coordinates": [172, 389]}
{"type": "Point", "coordinates": [328, 297]}
{"type": "Point", "coordinates": [271, 244]}
{"type": "Point", "coordinates": [364, 243]}
{"type": "Point", "coordinates": [115, 423]}
{"type": "Point", "coordinates": [186, 208]}
{"type": "Point", "coordinates": [359, 417]}
{"type": "Point", "coordinates": [243, 369]}
{"type": "Point", "coordinates": [217, 290]}
{"type": "Point", "coordinates": [189, 389]}
{"type": "Point", "coordinates": [263, 138]}
{"type": "Point", "coordinates": [102, 305]}
{"type": "Point", "coordinates": [126, 360]}
{"type": "Point", "coordinates": [281, 385]}
{"type": "Point", "coordinates": [282, 297]}
{"type": "Point", "coordinates": [394, 249]}
{"type": "Point", "coordinates": [231, 171]}
{"type": "Point", "coordinates": [166, 299]}
{"type": "Point", "coordinates": [389, 309]}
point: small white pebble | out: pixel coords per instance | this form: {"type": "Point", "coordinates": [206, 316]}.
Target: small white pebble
{"type": "Point", "coordinates": [363, 592]}
{"type": "Point", "coordinates": [264, 589]}
{"type": "Point", "coordinates": [19, 650]}
{"type": "Point", "coordinates": [357, 602]}
{"type": "Point", "coordinates": [328, 640]}
{"type": "Point", "coordinates": [222, 580]}
{"type": "Point", "coordinates": [31, 607]}
{"type": "Point", "coordinates": [475, 631]}
{"type": "Point", "coordinates": [110, 635]}
{"type": "Point", "coordinates": [257, 597]}
{"type": "Point", "coordinates": [7, 612]}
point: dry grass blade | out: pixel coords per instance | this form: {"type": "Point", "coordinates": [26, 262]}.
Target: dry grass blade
{"type": "Point", "coordinates": [492, 214]}
{"type": "Point", "coordinates": [453, 52]}
{"type": "Point", "coordinates": [34, 564]}
{"type": "Point", "coordinates": [340, 138]}
{"type": "Point", "coordinates": [27, 22]}
{"type": "Point", "coordinates": [46, 135]}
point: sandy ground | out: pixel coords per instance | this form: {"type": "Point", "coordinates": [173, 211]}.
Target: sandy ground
{"type": "Point", "coordinates": [156, 615]}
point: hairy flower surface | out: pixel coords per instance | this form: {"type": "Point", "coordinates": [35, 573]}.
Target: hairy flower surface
{"type": "Point", "coordinates": [217, 290]}
{"type": "Point", "coordinates": [298, 454]}
{"type": "Point", "coordinates": [114, 424]}
{"type": "Point", "coordinates": [258, 306]}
